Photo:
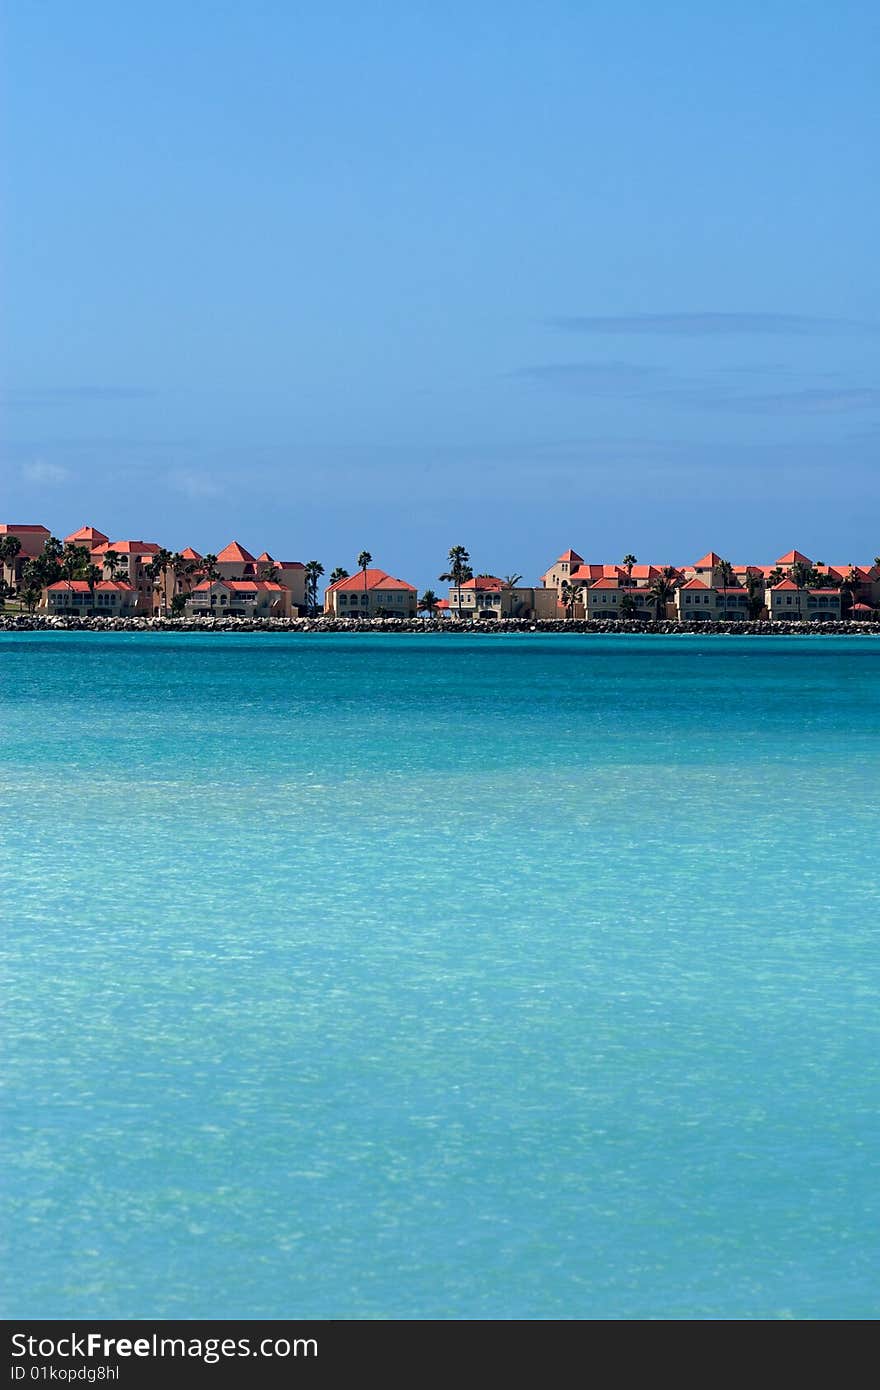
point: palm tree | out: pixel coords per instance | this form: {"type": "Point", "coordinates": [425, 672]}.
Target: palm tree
{"type": "Point", "coordinates": [755, 593]}
{"type": "Point", "coordinates": [314, 570]}
{"type": "Point", "coordinates": [183, 569]}
{"type": "Point", "coordinates": [628, 562]}
{"type": "Point", "coordinates": [660, 593]}
{"type": "Point", "coordinates": [800, 574]}
{"type": "Point", "coordinates": [848, 588]}
{"type": "Point", "coordinates": [364, 559]}
{"type": "Point", "coordinates": [111, 562]}
{"type": "Point", "coordinates": [269, 572]}
{"type": "Point", "coordinates": [459, 572]}
{"type": "Point", "coordinates": [209, 569]}
{"type": "Point", "coordinates": [156, 571]}
{"type": "Point", "coordinates": [337, 574]}
{"type": "Point", "coordinates": [627, 607]}
{"type": "Point", "coordinates": [569, 594]}
{"type": "Point", "coordinates": [73, 562]}
{"type": "Point", "coordinates": [9, 548]}
{"type": "Point", "coordinates": [510, 581]}
{"type": "Point", "coordinates": [94, 575]}
{"type": "Point", "coordinates": [32, 584]}
{"type": "Point", "coordinates": [724, 570]}
{"type": "Point", "coordinates": [428, 603]}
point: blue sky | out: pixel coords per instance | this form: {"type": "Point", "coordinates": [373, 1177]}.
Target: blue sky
{"type": "Point", "coordinates": [408, 275]}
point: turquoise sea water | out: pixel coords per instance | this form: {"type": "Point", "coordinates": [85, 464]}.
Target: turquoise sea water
{"type": "Point", "coordinates": [443, 977]}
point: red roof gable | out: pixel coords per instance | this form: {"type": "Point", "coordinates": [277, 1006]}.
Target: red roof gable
{"type": "Point", "coordinates": [695, 584]}
{"type": "Point", "coordinates": [605, 584]}
{"type": "Point", "coordinates": [483, 582]}
{"type": "Point", "coordinates": [80, 586]}
{"type": "Point", "coordinates": [794, 557]}
{"type": "Point", "coordinates": [785, 584]}
{"type": "Point", "coordinates": [128, 548]}
{"type": "Point", "coordinates": [86, 535]}
{"type": "Point", "coordinates": [570, 557]}
{"type": "Point", "coordinates": [375, 579]}
{"type": "Point", "coordinates": [190, 554]}
{"type": "Point", "coordinates": [233, 554]}
{"type": "Point", "coordinates": [708, 561]}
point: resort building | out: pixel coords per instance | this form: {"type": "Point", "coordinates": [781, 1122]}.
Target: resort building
{"type": "Point", "coordinates": [238, 598]}
{"type": "Point", "coordinates": [31, 540]}
{"type": "Point", "coordinates": [786, 602]}
{"type": "Point", "coordinates": [697, 602]}
{"type": "Point", "coordinates": [290, 573]}
{"type": "Point", "coordinates": [109, 598]}
{"type": "Point", "coordinates": [372, 593]}
{"type": "Point", "coordinates": [487, 596]}
{"type": "Point", "coordinates": [87, 538]}
{"type": "Point", "coordinates": [562, 570]}
{"type": "Point", "coordinates": [608, 598]}
{"type": "Point", "coordinates": [128, 560]}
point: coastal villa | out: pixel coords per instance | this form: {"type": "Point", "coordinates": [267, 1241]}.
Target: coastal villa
{"type": "Point", "coordinates": [603, 599]}
{"type": "Point", "coordinates": [108, 599]}
{"type": "Point", "coordinates": [561, 570]}
{"type": "Point", "coordinates": [242, 598]}
{"type": "Point", "coordinates": [372, 593]}
{"type": "Point", "coordinates": [697, 602]}
{"type": "Point", "coordinates": [132, 558]}
{"type": "Point", "coordinates": [787, 602]}
{"type": "Point", "coordinates": [87, 538]}
{"type": "Point", "coordinates": [235, 562]}
{"type": "Point", "coordinates": [487, 596]}
{"type": "Point", "coordinates": [713, 590]}
{"type": "Point", "coordinates": [31, 540]}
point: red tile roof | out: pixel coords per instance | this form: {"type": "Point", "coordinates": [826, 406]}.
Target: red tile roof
{"type": "Point", "coordinates": [695, 584]}
{"type": "Point", "coordinates": [240, 586]}
{"type": "Point", "coordinates": [605, 584]}
{"type": "Point", "coordinates": [233, 554]}
{"type": "Point", "coordinates": [80, 586]}
{"type": "Point", "coordinates": [128, 548]}
{"type": "Point", "coordinates": [9, 530]}
{"type": "Point", "coordinates": [190, 554]}
{"type": "Point", "coordinates": [570, 557]}
{"type": "Point", "coordinates": [793, 557]}
{"type": "Point", "coordinates": [375, 579]}
{"type": "Point", "coordinates": [587, 573]}
{"type": "Point", "coordinates": [785, 584]}
{"type": "Point", "coordinates": [708, 561]}
{"type": "Point", "coordinates": [485, 583]}
{"type": "Point", "coordinates": [86, 535]}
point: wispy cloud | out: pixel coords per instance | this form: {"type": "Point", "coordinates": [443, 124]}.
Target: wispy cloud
{"type": "Point", "coordinates": [195, 485]}
{"type": "Point", "coordinates": [814, 402]}
{"type": "Point", "coordinates": [46, 395]}
{"type": "Point", "coordinates": [591, 378]}
{"type": "Point", "coordinates": [44, 474]}
{"type": "Point", "coordinates": [709, 324]}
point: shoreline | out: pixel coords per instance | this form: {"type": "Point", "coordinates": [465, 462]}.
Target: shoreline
{"type": "Point", "coordinates": [39, 622]}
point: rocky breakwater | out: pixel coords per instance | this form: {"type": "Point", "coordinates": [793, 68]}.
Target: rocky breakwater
{"type": "Point", "coordinates": [41, 622]}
